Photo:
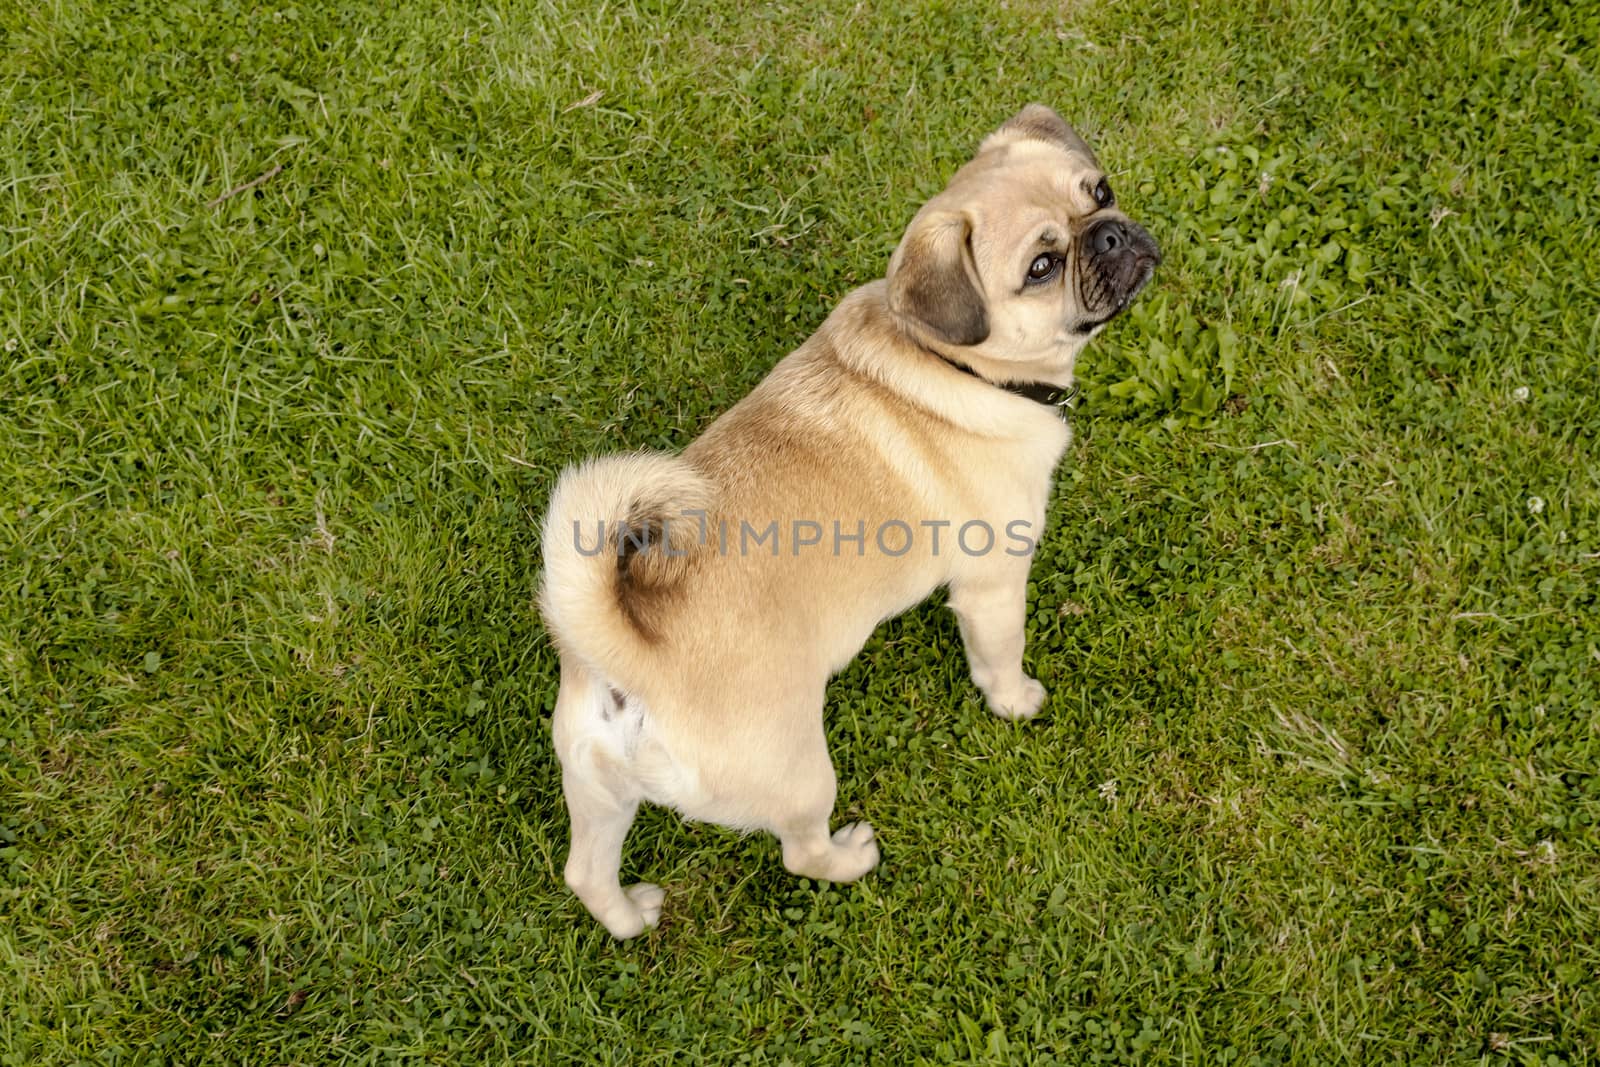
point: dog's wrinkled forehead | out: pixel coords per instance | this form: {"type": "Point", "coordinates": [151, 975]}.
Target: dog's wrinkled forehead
{"type": "Point", "coordinates": [1038, 123]}
{"type": "Point", "coordinates": [1035, 157]}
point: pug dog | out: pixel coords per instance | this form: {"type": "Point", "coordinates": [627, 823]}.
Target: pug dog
{"type": "Point", "coordinates": [700, 602]}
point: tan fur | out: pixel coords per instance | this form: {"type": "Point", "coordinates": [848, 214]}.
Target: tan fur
{"type": "Point", "coordinates": [692, 674]}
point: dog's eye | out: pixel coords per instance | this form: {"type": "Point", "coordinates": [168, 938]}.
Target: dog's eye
{"type": "Point", "coordinates": [1043, 267]}
{"type": "Point", "coordinates": [1102, 194]}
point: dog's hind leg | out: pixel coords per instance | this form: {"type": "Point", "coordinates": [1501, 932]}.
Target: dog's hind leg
{"type": "Point", "coordinates": [602, 799]}
{"type": "Point", "coordinates": [801, 819]}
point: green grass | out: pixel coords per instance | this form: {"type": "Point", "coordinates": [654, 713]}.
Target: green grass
{"type": "Point", "coordinates": [1319, 781]}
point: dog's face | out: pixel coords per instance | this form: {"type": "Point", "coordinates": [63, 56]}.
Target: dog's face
{"type": "Point", "coordinates": [1025, 255]}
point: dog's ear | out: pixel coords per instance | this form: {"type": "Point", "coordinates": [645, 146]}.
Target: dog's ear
{"type": "Point", "coordinates": [1038, 123]}
{"type": "Point", "coordinates": [933, 279]}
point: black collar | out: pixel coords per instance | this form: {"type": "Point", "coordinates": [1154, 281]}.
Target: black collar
{"type": "Point", "coordinates": [1039, 392]}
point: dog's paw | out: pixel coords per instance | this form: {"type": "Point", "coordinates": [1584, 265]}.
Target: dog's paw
{"type": "Point", "coordinates": [1020, 702]}
{"type": "Point", "coordinates": [637, 910]}
{"type": "Point", "coordinates": [647, 898]}
{"type": "Point", "coordinates": [855, 852]}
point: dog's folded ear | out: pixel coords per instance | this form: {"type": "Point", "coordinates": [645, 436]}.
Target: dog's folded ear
{"type": "Point", "coordinates": [1038, 123]}
{"type": "Point", "coordinates": [933, 279]}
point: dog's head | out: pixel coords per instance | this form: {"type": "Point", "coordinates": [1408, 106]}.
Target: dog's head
{"type": "Point", "coordinates": [1025, 255]}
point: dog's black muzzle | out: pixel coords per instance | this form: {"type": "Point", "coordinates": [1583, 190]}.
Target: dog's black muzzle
{"type": "Point", "coordinates": [1121, 257]}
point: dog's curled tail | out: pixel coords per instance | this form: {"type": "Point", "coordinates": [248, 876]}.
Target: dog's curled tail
{"type": "Point", "coordinates": [621, 533]}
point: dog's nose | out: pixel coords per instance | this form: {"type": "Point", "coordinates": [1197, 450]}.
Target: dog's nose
{"type": "Point", "coordinates": [1124, 238]}
{"type": "Point", "coordinates": [1108, 236]}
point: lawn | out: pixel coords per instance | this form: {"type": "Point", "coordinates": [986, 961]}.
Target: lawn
{"type": "Point", "coordinates": [304, 306]}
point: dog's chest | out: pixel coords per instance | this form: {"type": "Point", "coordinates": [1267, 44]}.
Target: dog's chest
{"type": "Point", "coordinates": [1015, 476]}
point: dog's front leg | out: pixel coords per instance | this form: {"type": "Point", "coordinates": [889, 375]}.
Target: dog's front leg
{"type": "Point", "coordinates": [991, 608]}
